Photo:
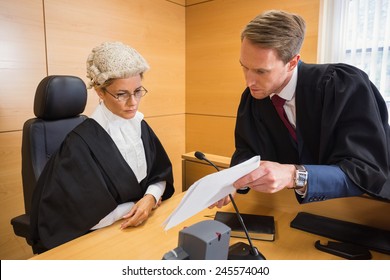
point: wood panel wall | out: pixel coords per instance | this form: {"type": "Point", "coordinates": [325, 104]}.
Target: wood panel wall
{"type": "Point", "coordinates": [194, 83]}
{"type": "Point", "coordinates": [47, 37]}
{"type": "Point", "coordinates": [214, 81]}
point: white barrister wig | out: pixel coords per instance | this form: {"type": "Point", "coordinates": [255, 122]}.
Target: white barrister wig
{"type": "Point", "coordinates": [112, 60]}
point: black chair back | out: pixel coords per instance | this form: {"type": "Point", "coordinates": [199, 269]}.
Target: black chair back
{"type": "Point", "coordinates": [58, 104]}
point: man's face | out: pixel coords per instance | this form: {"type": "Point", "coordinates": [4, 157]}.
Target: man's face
{"type": "Point", "coordinates": [264, 72]}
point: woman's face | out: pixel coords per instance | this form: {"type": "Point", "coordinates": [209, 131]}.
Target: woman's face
{"type": "Point", "coordinates": [125, 109]}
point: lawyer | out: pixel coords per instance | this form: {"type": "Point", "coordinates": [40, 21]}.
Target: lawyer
{"type": "Point", "coordinates": [321, 130]}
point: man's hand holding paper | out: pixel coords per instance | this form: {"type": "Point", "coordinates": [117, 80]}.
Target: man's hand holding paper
{"type": "Point", "coordinates": [209, 190]}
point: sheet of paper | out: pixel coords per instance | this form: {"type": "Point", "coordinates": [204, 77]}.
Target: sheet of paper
{"type": "Point", "coordinates": [209, 190]}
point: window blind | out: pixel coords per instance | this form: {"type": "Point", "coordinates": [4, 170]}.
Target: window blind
{"type": "Point", "coordinates": [357, 32]}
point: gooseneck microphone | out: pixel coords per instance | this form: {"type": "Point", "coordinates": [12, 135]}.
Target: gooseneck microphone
{"type": "Point", "coordinates": [240, 250]}
{"type": "Point", "coordinates": [201, 156]}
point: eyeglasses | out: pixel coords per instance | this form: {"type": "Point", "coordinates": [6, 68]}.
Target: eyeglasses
{"type": "Point", "coordinates": [125, 95]}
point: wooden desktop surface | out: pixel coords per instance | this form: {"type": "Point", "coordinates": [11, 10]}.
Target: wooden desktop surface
{"type": "Point", "coordinates": [151, 242]}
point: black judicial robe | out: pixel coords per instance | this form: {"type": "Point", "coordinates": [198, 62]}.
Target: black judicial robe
{"type": "Point", "coordinates": [341, 120]}
{"type": "Point", "coordinates": [86, 180]}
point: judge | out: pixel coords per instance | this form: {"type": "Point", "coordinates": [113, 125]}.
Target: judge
{"type": "Point", "coordinates": [111, 167]}
{"type": "Point", "coordinates": [321, 130]}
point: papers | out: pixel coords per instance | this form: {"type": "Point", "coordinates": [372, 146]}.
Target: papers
{"type": "Point", "coordinates": [209, 190]}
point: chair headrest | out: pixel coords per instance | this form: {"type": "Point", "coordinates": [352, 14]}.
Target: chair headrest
{"type": "Point", "coordinates": [59, 97]}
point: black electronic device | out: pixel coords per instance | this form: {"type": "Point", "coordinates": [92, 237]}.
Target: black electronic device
{"type": "Point", "coordinates": [240, 250]}
{"type": "Point", "coordinates": [344, 250]}
{"type": "Point", "coordinates": [366, 236]}
{"type": "Point", "coordinates": [260, 227]}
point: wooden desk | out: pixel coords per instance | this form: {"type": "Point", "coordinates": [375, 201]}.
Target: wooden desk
{"type": "Point", "coordinates": [149, 241]}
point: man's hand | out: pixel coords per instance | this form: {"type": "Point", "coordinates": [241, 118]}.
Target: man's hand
{"type": "Point", "coordinates": [269, 177]}
{"type": "Point", "coordinates": [222, 202]}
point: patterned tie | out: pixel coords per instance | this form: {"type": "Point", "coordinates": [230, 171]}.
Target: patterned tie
{"type": "Point", "coordinates": [278, 104]}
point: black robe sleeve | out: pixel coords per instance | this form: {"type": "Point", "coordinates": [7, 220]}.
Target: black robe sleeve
{"type": "Point", "coordinates": [85, 180]}
{"type": "Point", "coordinates": [159, 165]}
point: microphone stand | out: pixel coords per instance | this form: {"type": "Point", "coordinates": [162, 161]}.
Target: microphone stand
{"type": "Point", "coordinates": [240, 250]}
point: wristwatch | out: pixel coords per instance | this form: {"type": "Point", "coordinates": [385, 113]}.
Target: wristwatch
{"type": "Point", "coordinates": [301, 175]}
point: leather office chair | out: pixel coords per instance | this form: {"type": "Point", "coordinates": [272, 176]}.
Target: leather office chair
{"type": "Point", "coordinates": [58, 104]}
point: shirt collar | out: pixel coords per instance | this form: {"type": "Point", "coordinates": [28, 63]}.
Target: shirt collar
{"type": "Point", "coordinates": [288, 91]}
{"type": "Point", "coordinates": [105, 117]}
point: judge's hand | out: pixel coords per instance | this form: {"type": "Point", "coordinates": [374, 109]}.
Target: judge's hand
{"type": "Point", "coordinates": [269, 177]}
{"type": "Point", "coordinates": [140, 212]}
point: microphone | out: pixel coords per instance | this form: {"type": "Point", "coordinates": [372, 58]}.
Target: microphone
{"type": "Point", "coordinates": [201, 156]}
{"type": "Point", "coordinates": [240, 250]}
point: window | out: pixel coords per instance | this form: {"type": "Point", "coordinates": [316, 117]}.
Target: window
{"type": "Point", "coordinates": [357, 32]}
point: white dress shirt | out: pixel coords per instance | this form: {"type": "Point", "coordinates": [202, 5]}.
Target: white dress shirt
{"type": "Point", "coordinates": [126, 133]}
{"type": "Point", "coordinates": [288, 93]}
